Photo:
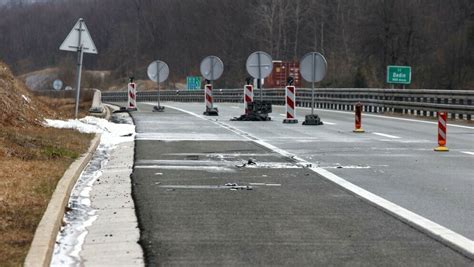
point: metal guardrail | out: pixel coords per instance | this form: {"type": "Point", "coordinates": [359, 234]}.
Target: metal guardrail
{"type": "Point", "coordinates": [86, 94]}
{"type": "Point", "coordinates": [421, 102]}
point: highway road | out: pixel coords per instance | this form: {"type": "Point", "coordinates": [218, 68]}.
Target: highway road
{"type": "Point", "coordinates": [394, 158]}
{"type": "Point", "coordinates": [188, 167]}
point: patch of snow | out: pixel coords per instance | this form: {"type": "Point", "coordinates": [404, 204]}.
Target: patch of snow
{"type": "Point", "coordinates": [112, 133]}
{"type": "Point", "coordinates": [27, 99]}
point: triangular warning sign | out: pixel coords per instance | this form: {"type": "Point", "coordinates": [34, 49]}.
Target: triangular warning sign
{"type": "Point", "coordinates": [79, 32]}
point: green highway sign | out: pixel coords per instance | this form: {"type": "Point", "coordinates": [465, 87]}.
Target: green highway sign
{"type": "Point", "coordinates": [193, 82]}
{"type": "Point", "coordinates": [399, 74]}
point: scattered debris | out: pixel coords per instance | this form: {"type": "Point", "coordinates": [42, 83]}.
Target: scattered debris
{"type": "Point", "coordinates": [235, 186]}
{"type": "Point", "coordinates": [241, 166]}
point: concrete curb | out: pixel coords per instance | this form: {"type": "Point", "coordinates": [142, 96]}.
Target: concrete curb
{"type": "Point", "coordinates": [41, 249]}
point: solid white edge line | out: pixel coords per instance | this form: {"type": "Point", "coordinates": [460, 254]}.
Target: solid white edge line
{"type": "Point", "coordinates": [446, 236]}
{"type": "Point", "coordinates": [387, 135]}
{"type": "Point", "coordinates": [468, 153]}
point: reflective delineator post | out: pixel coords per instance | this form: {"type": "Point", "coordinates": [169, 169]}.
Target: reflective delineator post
{"type": "Point", "coordinates": [290, 104]}
{"type": "Point", "coordinates": [248, 97]}
{"type": "Point", "coordinates": [132, 96]}
{"type": "Point", "coordinates": [442, 127]}
{"type": "Point", "coordinates": [208, 97]}
{"type": "Point", "coordinates": [358, 119]}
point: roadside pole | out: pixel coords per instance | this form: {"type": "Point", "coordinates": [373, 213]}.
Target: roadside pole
{"type": "Point", "coordinates": [80, 55]}
{"type": "Point", "coordinates": [79, 40]}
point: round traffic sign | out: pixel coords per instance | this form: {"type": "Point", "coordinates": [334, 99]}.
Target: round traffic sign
{"type": "Point", "coordinates": [313, 67]}
{"type": "Point", "coordinates": [212, 68]}
{"type": "Point", "coordinates": [57, 85]}
{"type": "Point", "coordinates": [158, 70]}
{"type": "Point", "coordinates": [259, 65]}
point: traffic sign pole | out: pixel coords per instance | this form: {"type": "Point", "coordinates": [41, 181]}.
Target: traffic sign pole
{"type": "Point", "coordinates": [259, 82]}
{"type": "Point", "coordinates": [80, 41]}
{"type": "Point", "coordinates": [78, 79]}
{"type": "Point", "coordinates": [158, 72]}
{"type": "Point", "coordinates": [313, 69]}
{"type": "Point", "coordinates": [211, 69]}
{"type": "Point", "coordinates": [158, 83]}
{"type": "Point", "coordinates": [259, 65]}
{"type": "Point", "coordinates": [313, 74]}
{"type": "Point", "coordinates": [209, 89]}
{"type": "Point", "coordinates": [80, 54]}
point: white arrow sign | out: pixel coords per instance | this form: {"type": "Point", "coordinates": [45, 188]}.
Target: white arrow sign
{"type": "Point", "coordinates": [79, 36]}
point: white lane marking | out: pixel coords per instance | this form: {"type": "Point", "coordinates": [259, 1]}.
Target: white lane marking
{"type": "Point", "coordinates": [257, 184]}
{"type": "Point", "coordinates": [345, 167]}
{"type": "Point", "coordinates": [273, 184]}
{"type": "Point", "coordinates": [329, 123]}
{"type": "Point", "coordinates": [264, 184]}
{"type": "Point", "coordinates": [393, 118]}
{"type": "Point", "coordinates": [283, 115]}
{"type": "Point", "coordinates": [436, 231]}
{"type": "Point", "coordinates": [467, 152]}
{"type": "Point", "coordinates": [187, 168]}
{"type": "Point", "coordinates": [387, 135]}
{"type": "Point", "coordinates": [233, 187]}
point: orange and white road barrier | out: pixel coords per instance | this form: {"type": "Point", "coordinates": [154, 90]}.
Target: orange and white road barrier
{"type": "Point", "coordinates": [290, 104]}
{"type": "Point", "coordinates": [132, 96]}
{"type": "Point", "coordinates": [442, 126]}
{"type": "Point", "coordinates": [358, 118]}
{"type": "Point", "coordinates": [248, 97]}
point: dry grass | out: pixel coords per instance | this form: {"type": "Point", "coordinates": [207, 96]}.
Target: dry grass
{"type": "Point", "coordinates": [32, 160]}
{"type": "Point", "coordinates": [65, 107]}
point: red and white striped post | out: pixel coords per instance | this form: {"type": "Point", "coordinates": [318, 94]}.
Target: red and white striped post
{"type": "Point", "coordinates": [248, 97]}
{"type": "Point", "coordinates": [290, 104]}
{"type": "Point", "coordinates": [132, 96]}
{"type": "Point", "coordinates": [208, 97]}
{"type": "Point", "coordinates": [442, 127]}
{"type": "Point", "coordinates": [358, 119]}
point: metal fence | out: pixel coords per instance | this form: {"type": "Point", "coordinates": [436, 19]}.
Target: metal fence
{"type": "Point", "coordinates": [421, 102]}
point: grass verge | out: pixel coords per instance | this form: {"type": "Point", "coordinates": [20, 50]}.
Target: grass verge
{"type": "Point", "coordinates": [32, 160]}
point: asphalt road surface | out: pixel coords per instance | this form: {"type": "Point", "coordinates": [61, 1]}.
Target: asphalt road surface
{"type": "Point", "coordinates": [208, 196]}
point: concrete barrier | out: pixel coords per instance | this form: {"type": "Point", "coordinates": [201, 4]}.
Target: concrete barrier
{"type": "Point", "coordinates": [97, 106]}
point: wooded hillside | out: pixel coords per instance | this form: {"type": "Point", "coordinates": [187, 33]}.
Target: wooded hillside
{"type": "Point", "coordinates": [358, 37]}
